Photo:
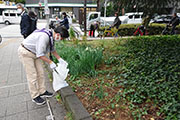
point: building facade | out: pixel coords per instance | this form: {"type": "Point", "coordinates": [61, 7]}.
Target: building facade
{"type": "Point", "coordinates": [73, 7]}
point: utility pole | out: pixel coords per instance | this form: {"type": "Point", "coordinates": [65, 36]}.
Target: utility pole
{"type": "Point", "coordinates": [105, 6]}
{"type": "Point", "coordinates": [85, 30]}
{"type": "Point", "coordinates": [46, 11]}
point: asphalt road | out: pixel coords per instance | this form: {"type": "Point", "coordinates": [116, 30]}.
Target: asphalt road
{"type": "Point", "coordinates": [2, 25]}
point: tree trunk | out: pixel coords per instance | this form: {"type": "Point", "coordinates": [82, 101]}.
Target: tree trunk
{"type": "Point", "coordinates": [118, 10]}
{"type": "Point", "coordinates": [98, 2]}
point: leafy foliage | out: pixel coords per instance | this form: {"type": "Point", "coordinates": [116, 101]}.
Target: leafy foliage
{"type": "Point", "coordinates": [150, 71]}
{"type": "Point", "coordinates": [18, 1]}
{"type": "Point", "coordinates": [81, 58]}
{"type": "Point", "coordinates": [147, 6]}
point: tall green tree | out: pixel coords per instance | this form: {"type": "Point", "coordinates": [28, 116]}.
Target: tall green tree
{"type": "Point", "coordinates": [149, 7]}
{"type": "Point", "coordinates": [18, 1]}
{"type": "Point", "coordinates": [98, 4]}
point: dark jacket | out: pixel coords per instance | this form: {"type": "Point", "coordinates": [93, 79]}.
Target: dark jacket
{"type": "Point", "coordinates": [117, 22]}
{"type": "Point", "coordinates": [65, 22]}
{"type": "Point", "coordinates": [33, 24]}
{"type": "Point", "coordinates": [174, 21]}
{"type": "Point", "coordinates": [25, 25]}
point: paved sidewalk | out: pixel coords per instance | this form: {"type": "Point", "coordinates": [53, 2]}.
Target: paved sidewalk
{"type": "Point", "coordinates": [15, 101]}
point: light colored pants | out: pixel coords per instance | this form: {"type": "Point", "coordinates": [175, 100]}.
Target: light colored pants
{"type": "Point", "coordinates": [34, 72]}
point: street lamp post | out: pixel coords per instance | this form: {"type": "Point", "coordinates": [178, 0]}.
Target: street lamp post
{"type": "Point", "coordinates": [85, 30]}
{"type": "Point", "coordinates": [46, 10]}
{"type": "Point", "coordinates": [105, 6]}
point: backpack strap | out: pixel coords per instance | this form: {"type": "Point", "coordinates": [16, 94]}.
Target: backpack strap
{"type": "Point", "coordinates": [51, 41]}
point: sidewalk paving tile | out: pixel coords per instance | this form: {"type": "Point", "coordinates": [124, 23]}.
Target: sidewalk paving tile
{"type": "Point", "coordinates": [4, 92]}
{"type": "Point", "coordinates": [2, 108]}
{"type": "Point", "coordinates": [15, 99]}
{"type": "Point", "coordinates": [19, 116]}
{"type": "Point", "coordinates": [16, 108]}
{"type": "Point", "coordinates": [38, 114]}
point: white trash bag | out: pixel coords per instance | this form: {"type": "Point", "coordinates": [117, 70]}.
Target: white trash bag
{"type": "Point", "coordinates": [59, 75]}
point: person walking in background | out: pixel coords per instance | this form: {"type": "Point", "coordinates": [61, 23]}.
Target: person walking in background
{"type": "Point", "coordinates": [26, 19]}
{"type": "Point", "coordinates": [174, 22]}
{"type": "Point", "coordinates": [65, 21]}
{"type": "Point", "coordinates": [32, 50]}
{"type": "Point", "coordinates": [92, 30]}
{"type": "Point", "coordinates": [117, 21]}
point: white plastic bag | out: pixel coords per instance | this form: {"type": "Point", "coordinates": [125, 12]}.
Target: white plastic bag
{"type": "Point", "coordinates": [59, 75]}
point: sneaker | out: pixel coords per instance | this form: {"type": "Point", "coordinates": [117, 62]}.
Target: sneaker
{"type": "Point", "coordinates": [47, 94]}
{"type": "Point", "coordinates": [39, 101]}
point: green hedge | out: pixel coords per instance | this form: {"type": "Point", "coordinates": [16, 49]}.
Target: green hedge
{"type": "Point", "coordinates": [150, 72]}
{"type": "Point", "coordinates": [129, 29]}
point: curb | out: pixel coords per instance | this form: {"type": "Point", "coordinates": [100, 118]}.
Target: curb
{"type": "Point", "coordinates": [72, 102]}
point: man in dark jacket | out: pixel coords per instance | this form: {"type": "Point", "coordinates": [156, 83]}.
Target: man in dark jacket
{"type": "Point", "coordinates": [174, 22]}
{"type": "Point", "coordinates": [25, 25]}
{"type": "Point", "coordinates": [117, 21]}
{"type": "Point", "coordinates": [65, 22]}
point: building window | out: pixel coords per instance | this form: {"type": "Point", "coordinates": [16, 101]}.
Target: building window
{"type": "Point", "coordinates": [56, 11]}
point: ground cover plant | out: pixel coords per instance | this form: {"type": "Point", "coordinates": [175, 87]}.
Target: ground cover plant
{"type": "Point", "coordinates": [131, 79]}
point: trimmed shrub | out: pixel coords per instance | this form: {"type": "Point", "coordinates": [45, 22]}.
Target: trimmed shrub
{"type": "Point", "coordinates": [129, 29]}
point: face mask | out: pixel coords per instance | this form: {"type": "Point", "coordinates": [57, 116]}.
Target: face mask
{"type": "Point", "coordinates": [57, 37]}
{"type": "Point", "coordinates": [19, 10]}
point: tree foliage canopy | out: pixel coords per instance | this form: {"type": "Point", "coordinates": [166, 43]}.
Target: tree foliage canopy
{"type": "Point", "coordinates": [18, 1]}
{"type": "Point", "coordinates": [147, 6]}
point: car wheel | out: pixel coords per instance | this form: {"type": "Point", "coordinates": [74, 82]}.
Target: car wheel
{"type": "Point", "coordinates": [7, 22]}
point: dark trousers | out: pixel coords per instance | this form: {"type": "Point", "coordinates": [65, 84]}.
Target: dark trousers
{"type": "Point", "coordinates": [173, 30]}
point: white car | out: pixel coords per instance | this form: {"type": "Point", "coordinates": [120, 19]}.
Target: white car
{"type": "Point", "coordinates": [11, 16]}
{"type": "Point", "coordinates": [134, 17]}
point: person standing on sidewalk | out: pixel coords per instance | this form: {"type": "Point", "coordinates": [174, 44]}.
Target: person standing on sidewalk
{"type": "Point", "coordinates": [32, 50]}
{"type": "Point", "coordinates": [25, 24]}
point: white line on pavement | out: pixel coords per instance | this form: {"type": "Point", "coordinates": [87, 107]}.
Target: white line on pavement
{"type": "Point", "coordinates": [13, 85]}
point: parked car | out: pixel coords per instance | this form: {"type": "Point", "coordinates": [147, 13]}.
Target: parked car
{"type": "Point", "coordinates": [134, 17]}
{"type": "Point", "coordinates": [10, 16]}
{"type": "Point", "coordinates": [164, 19]}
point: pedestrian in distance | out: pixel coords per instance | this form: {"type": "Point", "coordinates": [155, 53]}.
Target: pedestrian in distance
{"type": "Point", "coordinates": [57, 22]}
{"type": "Point", "coordinates": [25, 24]}
{"type": "Point", "coordinates": [32, 52]}
{"type": "Point", "coordinates": [92, 30]}
{"type": "Point", "coordinates": [65, 21]}
{"type": "Point", "coordinates": [117, 21]}
{"type": "Point", "coordinates": [174, 22]}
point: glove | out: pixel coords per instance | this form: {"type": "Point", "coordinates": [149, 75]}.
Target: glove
{"type": "Point", "coordinates": [52, 65]}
